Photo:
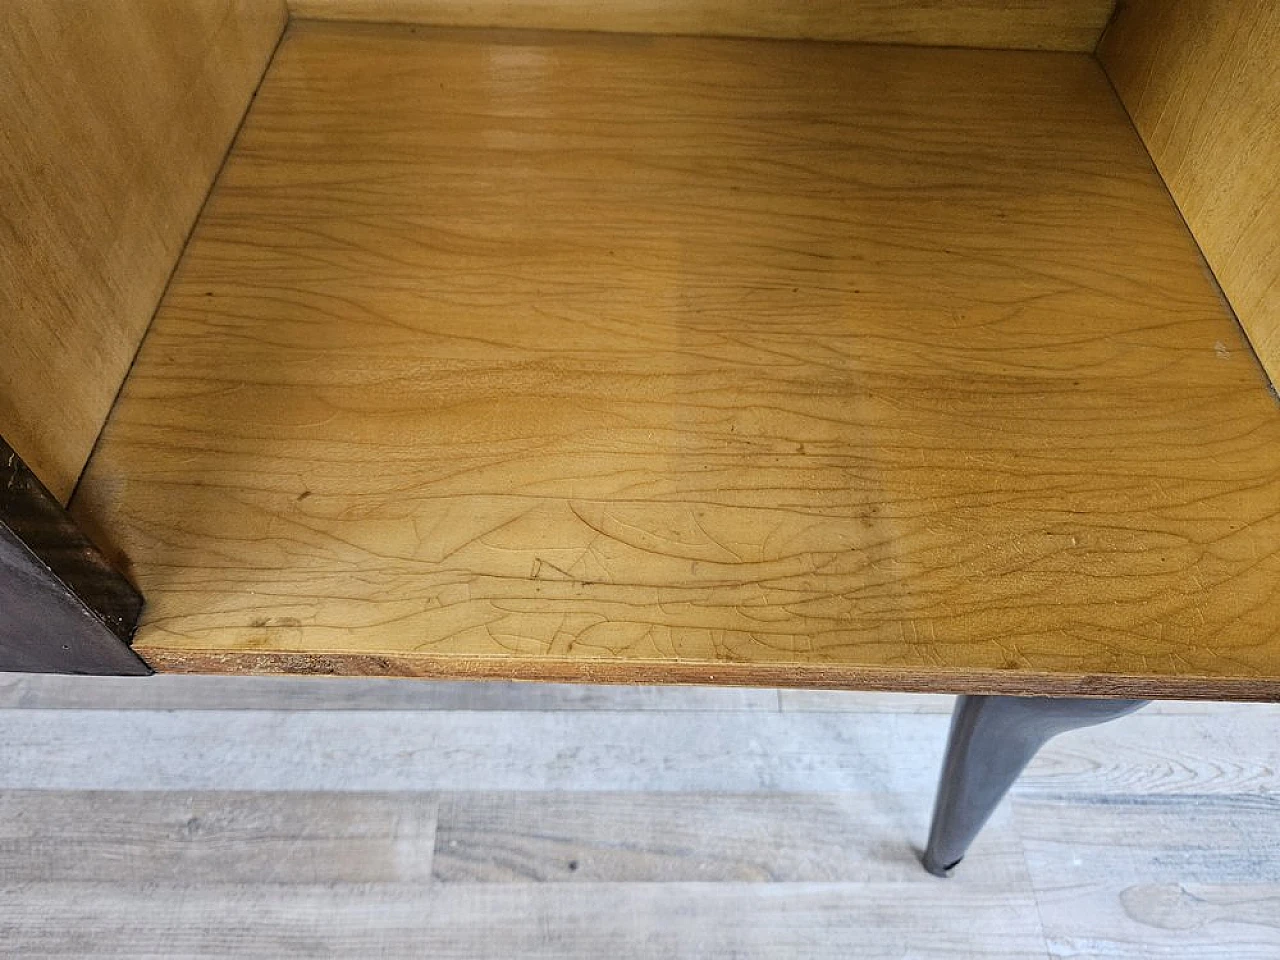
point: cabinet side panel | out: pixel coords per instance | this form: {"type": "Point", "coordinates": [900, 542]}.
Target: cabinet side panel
{"type": "Point", "coordinates": [114, 118]}
{"type": "Point", "coordinates": [1022, 24]}
{"type": "Point", "coordinates": [1201, 79]}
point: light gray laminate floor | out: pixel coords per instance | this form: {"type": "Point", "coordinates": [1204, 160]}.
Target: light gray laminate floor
{"type": "Point", "coordinates": [262, 817]}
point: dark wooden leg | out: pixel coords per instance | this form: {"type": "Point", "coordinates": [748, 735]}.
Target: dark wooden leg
{"type": "Point", "coordinates": [992, 740]}
{"type": "Point", "coordinates": [63, 607]}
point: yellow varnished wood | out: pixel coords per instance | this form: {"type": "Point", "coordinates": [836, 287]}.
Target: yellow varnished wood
{"type": "Point", "coordinates": [1020, 24]}
{"type": "Point", "coordinates": [671, 359]}
{"type": "Point", "coordinates": [1202, 81]}
{"type": "Point", "coordinates": [114, 117]}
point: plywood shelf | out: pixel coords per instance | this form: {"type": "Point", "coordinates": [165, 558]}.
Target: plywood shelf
{"type": "Point", "coordinates": [657, 359]}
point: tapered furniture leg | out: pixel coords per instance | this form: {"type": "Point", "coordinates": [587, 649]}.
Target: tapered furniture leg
{"type": "Point", "coordinates": [992, 739]}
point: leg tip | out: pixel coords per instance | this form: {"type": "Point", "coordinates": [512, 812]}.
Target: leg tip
{"type": "Point", "coordinates": [937, 868]}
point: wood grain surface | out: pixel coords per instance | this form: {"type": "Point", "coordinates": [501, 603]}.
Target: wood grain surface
{"type": "Point", "coordinates": [187, 692]}
{"type": "Point", "coordinates": [1122, 842]}
{"type": "Point", "coordinates": [1027, 24]}
{"type": "Point", "coordinates": [1201, 79]}
{"type": "Point", "coordinates": [638, 359]}
{"type": "Point", "coordinates": [715, 837]}
{"type": "Point", "coordinates": [270, 750]}
{"type": "Point", "coordinates": [114, 118]}
{"type": "Point", "coordinates": [149, 838]}
{"type": "Point", "coordinates": [534, 921]}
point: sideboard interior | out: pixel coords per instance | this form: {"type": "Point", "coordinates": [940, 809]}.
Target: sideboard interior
{"type": "Point", "coordinates": [868, 345]}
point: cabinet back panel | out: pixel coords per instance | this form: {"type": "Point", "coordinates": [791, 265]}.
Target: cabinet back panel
{"type": "Point", "coordinates": [1024, 24]}
{"type": "Point", "coordinates": [114, 118]}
